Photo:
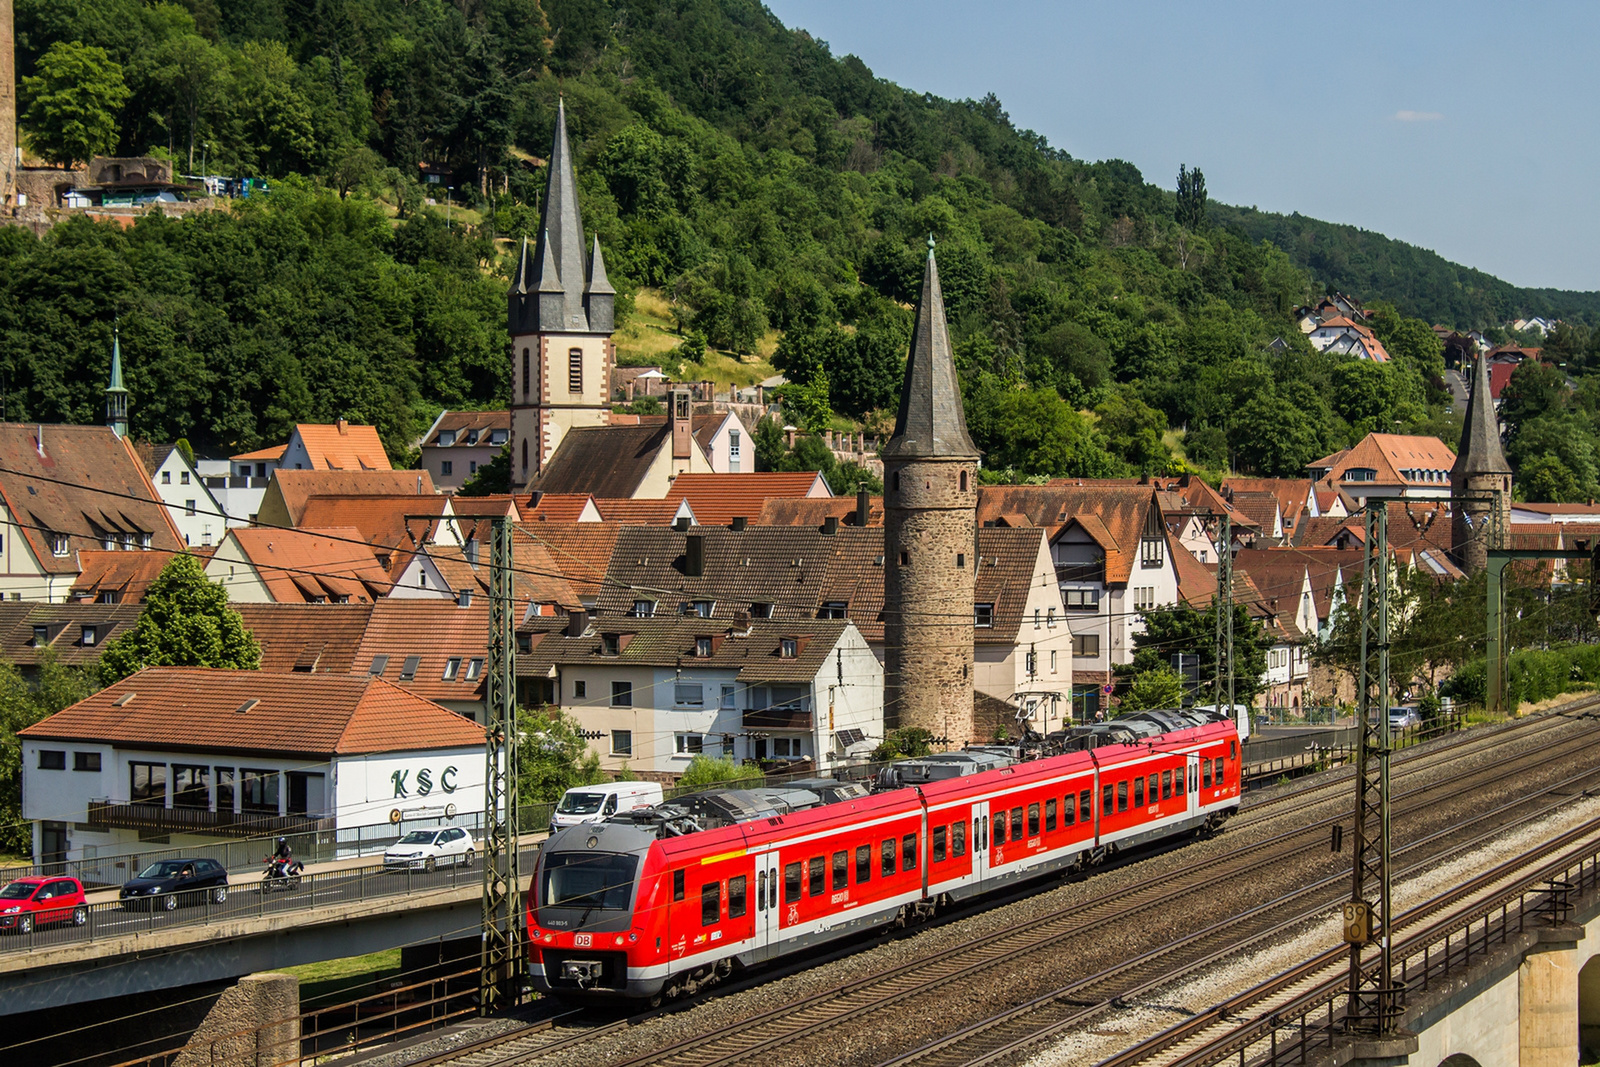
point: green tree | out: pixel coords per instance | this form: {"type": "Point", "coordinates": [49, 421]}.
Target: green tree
{"type": "Point", "coordinates": [491, 479]}
{"type": "Point", "coordinates": [908, 742]}
{"type": "Point", "coordinates": [186, 622]}
{"type": "Point", "coordinates": [1191, 208]}
{"type": "Point", "coordinates": [22, 705]}
{"type": "Point", "coordinates": [705, 771]}
{"type": "Point", "coordinates": [72, 103]}
{"type": "Point", "coordinates": [1170, 631]}
{"type": "Point", "coordinates": [1158, 688]}
{"type": "Point", "coordinates": [552, 755]}
{"type": "Point", "coordinates": [769, 444]}
{"type": "Point", "coordinates": [1133, 432]}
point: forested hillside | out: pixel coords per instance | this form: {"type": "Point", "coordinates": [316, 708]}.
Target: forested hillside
{"type": "Point", "coordinates": [737, 166]}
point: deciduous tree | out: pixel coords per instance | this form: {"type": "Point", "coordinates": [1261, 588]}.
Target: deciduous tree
{"type": "Point", "coordinates": [186, 622]}
{"type": "Point", "coordinates": [72, 103]}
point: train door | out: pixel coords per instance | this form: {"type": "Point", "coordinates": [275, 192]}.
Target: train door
{"type": "Point", "coordinates": [1193, 775]}
{"type": "Point", "coordinates": [980, 842]}
{"type": "Point", "coordinates": [767, 902]}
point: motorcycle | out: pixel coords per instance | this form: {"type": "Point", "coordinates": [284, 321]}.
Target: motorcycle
{"type": "Point", "coordinates": [281, 874]}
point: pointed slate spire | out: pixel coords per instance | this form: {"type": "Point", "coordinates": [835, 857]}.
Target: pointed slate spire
{"type": "Point", "coordinates": [598, 282]}
{"type": "Point", "coordinates": [599, 299]}
{"type": "Point", "coordinates": [1480, 451]}
{"type": "Point", "coordinates": [931, 423]}
{"type": "Point", "coordinates": [116, 395]}
{"type": "Point", "coordinates": [522, 278]}
{"type": "Point", "coordinates": [560, 254]}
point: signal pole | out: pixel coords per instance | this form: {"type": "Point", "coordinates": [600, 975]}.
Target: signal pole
{"type": "Point", "coordinates": [1224, 646]}
{"type": "Point", "coordinates": [502, 918]}
{"type": "Point", "coordinates": [1374, 999]}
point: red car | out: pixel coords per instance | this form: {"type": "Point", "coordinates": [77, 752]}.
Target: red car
{"type": "Point", "coordinates": [28, 902]}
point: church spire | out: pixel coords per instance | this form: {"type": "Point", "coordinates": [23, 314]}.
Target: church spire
{"type": "Point", "coordinates": [116, 395]}
{"type": "Point", "coordinates": [930, 422]}
{"type": "Point", "coordinates": [561, 239]}
{"type": "Point", "coordinates": [1480, 451]}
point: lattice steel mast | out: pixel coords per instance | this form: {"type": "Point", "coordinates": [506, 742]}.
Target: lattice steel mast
{"type": "Point", "coordinates": [1374, 1000]}
{"type": "Point", "coordinates": [497, 981]}
{"type": "Point", "coordinates": [1222, 678]}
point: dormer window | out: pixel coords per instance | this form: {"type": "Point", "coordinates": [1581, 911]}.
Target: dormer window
{"type": "Point", "coordinates": [472, 437]}
{"type": "Point", "coordinates": [497, 437]}
{"type": "Point", "coordinates": [447, 438]}
{"type": "Point", "coordinates": [702, 647]}
{"type": "Point", "coordinates": [609, 645]}
{"type": "Point", "coordinates": [832, 609]}
{"type": "Point", "coordinates": [701, 608]}
{"type": "Point", "coordinates": [88, 636]}
{"type": "Point", "coordinates": [983, 616]}
{"type": "Point", "coordinates": [41, 636]}
{"type": "Point", "coordinates": [643, 609]}
{"type": "Point", "coordinates": [760, 610]}
{"type": "Point", "coordinates": [788, 648]}
{"type": "Point", "coordinates": [1152, 553]}
{"type": "Point", "coordinates": [59, 543]}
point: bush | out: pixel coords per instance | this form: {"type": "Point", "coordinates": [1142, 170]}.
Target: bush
{"type": "Point", "coordinates": [1532, 675]}
{"type": "Point", "coordinates": [907, 742]}
{"type": "Point", "coordinates": [706, 771]}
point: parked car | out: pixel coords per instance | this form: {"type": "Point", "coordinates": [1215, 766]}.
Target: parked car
{"type": "Point", "coordinates": [1400, 718]}
{"type": "Point", "coordinates": [30, 902]}
{"type": "Point", "coordinates": [597, 803]}
{"type": "Point", "coordinates": [429, 849]}
{"type": "Point", "coordinates": [166, 884]}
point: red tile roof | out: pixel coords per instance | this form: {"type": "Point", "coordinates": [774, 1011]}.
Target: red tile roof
{"type": "Point", "coordinates": [434, 632]}
{"type": "Point", "coordinates": [307, 638]}
{"type": "Point", "coordinates": [1122, 511]}
{"type": "Point", "coordinates": [579, 550]}
{"type": "Point", "coordinates": [460, 422]}
{"type": "Point", "coordinates": [314, 716]}
{"type": "Point", "coordinates": [718, 499]}
{"type": "Point", "coordinates": [293, 488]}
{"type": "Point", "coordinates": [343, 447]}
{"type": "Point", "coordinates": [559, 507]}
{"type": "Point", "coordinates": [631, 512]}
{"type": "Point", "coordinates": [807, 511]}
{"type": "Point", "coordinates": [122, 575]}
{"type": "Point", "coordinates": [1388, 454]}
{"type": "Point", "coordinates": [273, 452]}
{"type": "Point", "coordinates": [300, 566]}
{"type": "Point", "coordinates": [393, 525]}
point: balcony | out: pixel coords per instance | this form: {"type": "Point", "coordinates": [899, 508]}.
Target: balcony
{"type": "Point", "coordinates": [116, 815]}
{"type": "Point", "coordinates": [235, 481]}
{"type": "Point", "coordinates": [1082, 572]}
{"type": "Point", "coordinates": [795, 715]}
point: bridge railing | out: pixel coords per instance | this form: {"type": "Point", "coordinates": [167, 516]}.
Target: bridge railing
{"type": "Point", "coordinates": [25, 932]}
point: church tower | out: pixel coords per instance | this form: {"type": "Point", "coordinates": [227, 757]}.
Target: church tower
{"type": "Point", "coordinates": [116, 395]}
{"type": "Point", "coordinates": [561, 312]}
{"type": "Point", "coordinates": [1481, 472]}
{"type": "Point", "coordinates": [930, 511]}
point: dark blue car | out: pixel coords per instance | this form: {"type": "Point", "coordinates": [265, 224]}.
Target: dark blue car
{"type": "Point", "coordinates": [166, 884]}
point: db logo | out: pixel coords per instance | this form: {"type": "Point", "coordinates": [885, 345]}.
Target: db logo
{"type": "Point", "coordinates": [582, 940]}
{"type": "Point", "coordinates": [794, 913]}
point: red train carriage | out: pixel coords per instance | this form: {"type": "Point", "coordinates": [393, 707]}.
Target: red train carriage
{"type": "Point", "coordinates": [667, 900]}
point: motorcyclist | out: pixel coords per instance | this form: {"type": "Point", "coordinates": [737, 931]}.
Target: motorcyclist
{"type": "Point", "coordinates": [281, 862]}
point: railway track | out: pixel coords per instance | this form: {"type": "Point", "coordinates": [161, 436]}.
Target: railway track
{"type": "Point", "coordinates": [842, 1005]}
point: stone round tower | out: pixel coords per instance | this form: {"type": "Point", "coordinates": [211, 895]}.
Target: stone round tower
{"type": "Point", "coordinates": [930, 472]}
{"type": "Point", "coordinates": [1480, 479]}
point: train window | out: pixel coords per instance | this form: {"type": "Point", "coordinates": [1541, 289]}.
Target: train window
{"type": "Point", "coordinates": [1177, 782]}
{"type": "Point", "coordinates": [908, 852]}
{"type": "Point", "coordinates": [1233, 750]}
{"type": "Point", "coordinates": [986, 831]}
{"type": "Point", "coordinates": [1122, 796]}
{"type": "Point", "coordinates": [817, 876]}
{"type": "Point", "coordinates": [1069, 809]}
{"type": "Point", "coordinates": [887, 853]}
{"type": "Point", "coordinates": [841, 870]}
{"type": "Point", "coordinates": [761, 892]}
{"type": "Point", "coordinates": [958, 838]}
{"type": "Point", "coordinates": [710, 903]}
{"type": "Point", "coordinates": [1050, 814]}
{"type": "Point", "coordinates": [1138, 792]}
{"type": "Point", "coordinates": [1085, 807]}
{"type": "Point", "coordinates": [1219, 773]}
{"type": "Point", "coordinates": [1000, 830]}
{"type": "Point", "coordinates": [1108, 799]}
{"type": "Point", "coordinates": [1166, 784]}
{"type": "Point", "coordinates": [863, 864]}
{"type": "Point", "coordinates": [1155, 787]}
{"type": "Point", "coordinates": [736, 896]}
{"type": "Point", "coordinates": [791, 882]}
{"type": "Point", "coordinates": [1033, 820]}
{"type": "Point", "coordinates": [1016, 824]}
{"type": "Point", "coordinates": [677, 885]}
{"type": "Point", "coordinates": [938, 844]}
{"type": "Point", "coordinates": [1205, 773]}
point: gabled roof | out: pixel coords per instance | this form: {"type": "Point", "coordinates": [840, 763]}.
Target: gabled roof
{"type": "Point", "coordinates": [1292, 495]}
{"type": "Point", "coordinates": [539, 577]}
{"type": "Point", "coordinates": [390, 524]}
{"type": "Point", "coordinates": [81, 482]}
{"type": "Point", "coordinates": [718, 499]}
{"type": "Point", "coordinates": [1388, 455]}
{"type": "Point", "coordinates": [781, 565]}
{"type": "Point", "coordinates": [705, 424]}
{"type": "Point", "coordinates": [1324, 566]}
{"type": "Point", "coordinates": [411, 642]}
{"type": "Point", "coordinates": [754, 651]}
{"type": "Point", "coordinates": [271, 452]}
{"type": "Point", "coordinates": [580, 551]}
{"type": "Point", "coordinates": [307, 638]}
{"type": "Point", "coordinates": [342, 447]}
{"type": "Point", "coordinates": [1125, 512]}
{"type": "Point", "coordinates": [563, 507]}
{"type": "Point", "coordinates": [301, 566]}
{"type": "Point", "coordinates": [64, 625]}
{"type": "Point", "coordinates": [604, 461]}
{"type": "Point", "coordinates": [315, 716]}
{"type": "Point", "coordinates": [1260, 508]}
{"type": "Point", "coordinates": [126, 575]}
{"type": "Point", "coordinates": [631, 512]}
{"type": "Point", "coordinates": [462, 423]}
{"type": "Point", "coordinates": [930, 422]}
{"type": "Point", "coordinates": [791, 511]}
{"type": "Point", "coordinates": [289, 490]}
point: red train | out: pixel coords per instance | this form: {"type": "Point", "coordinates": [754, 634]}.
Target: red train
{"type": "Point", "coordinates": [663, 901]}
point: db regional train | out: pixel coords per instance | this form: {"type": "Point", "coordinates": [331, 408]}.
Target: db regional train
{"type": "Point", "coordinates": [662, 901]}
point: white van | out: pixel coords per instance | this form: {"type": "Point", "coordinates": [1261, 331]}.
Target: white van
{"type": "Point", "coordinates": [597, 803]}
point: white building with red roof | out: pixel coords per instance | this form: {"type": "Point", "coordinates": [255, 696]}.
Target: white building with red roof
{"type": "Point", "coordinates": [180, 756]}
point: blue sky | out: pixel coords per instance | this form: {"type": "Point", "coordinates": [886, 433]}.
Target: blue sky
{"type": "Point", "coordinates": [1468, 127]}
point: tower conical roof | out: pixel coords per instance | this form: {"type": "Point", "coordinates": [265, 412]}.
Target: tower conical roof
{"type": "Point", "coordinates": [115, 385]}
{"type": "Point", "coordinates": [1480, 451]}
{"type": "Point", "coordinates": [522, 279]}
{"type": "Point", "coordinates": [598, 282]}
{"type": "Point", "coordinates": [931, 422]}
{"type": "Point", "coordinates": [561, 233]}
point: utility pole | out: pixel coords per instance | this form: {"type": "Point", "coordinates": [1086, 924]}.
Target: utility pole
{"type": "Point", "coordinates": [1222, 678]}
{"type": "Point", "coordinates": [502, 917]}
{"type": "Point", "coordinates": [1374, 999]}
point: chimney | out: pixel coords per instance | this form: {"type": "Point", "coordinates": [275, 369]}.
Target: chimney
{"type": "Point", "coordinates": [863, 505]}
{"type": "Point", "coordinates": [469, 551]}
{"type": "Point", "coordinates": [464, 599]}
{"type": "Point", "coordinates": [741, 622]}
{"type": "Point", "coordinates": [577, 622]}
{"type": "Point", "coordinates": [830, 525]}
{"type": "Point", "coordinates": [682, 441]}
{"type": "Point", "coordinates": [694, 555]}
{"type": "Point", "coordinates": [344, 427]}
{"type": "Point", "coordinates": [739, 523]}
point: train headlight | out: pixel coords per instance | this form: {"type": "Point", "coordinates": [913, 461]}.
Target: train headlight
{"type": "Point", "coordinates": [633, 937]}
{"type": "Point", "coordinates": [619, 940]}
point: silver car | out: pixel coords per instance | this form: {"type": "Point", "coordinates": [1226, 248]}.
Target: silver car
{"type": "Point", "coordinates": [428, 849]}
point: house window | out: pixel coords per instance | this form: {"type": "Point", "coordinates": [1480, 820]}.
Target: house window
{"type": "Point", "coordinates": [41, 636]}
{"type": "Point", "coordinates": [1086, 646]}
{"type": "Point", "coordinates": [760, 610]}
{"type": "Point", "coordinates": [575, 370]}
{"type": "Point", "coordinates": [447, 467]}
{"type": "Point", "coordinates": [224, 788]}
{"type": "Point", "coordinates": [258, 790]}
{"type": "Point", "coordinates": [689, 744]}
{"type": "Point", "coordinates": [1083, 600]}
{"type": "Point", "coordinates": [497, 437]}
{"type": "Point", "coordinates": [787, 747]}
{"type": "Point", "coordinates": [1030, 663]}
{"type": "Point", "coordinates": [183, 477]}
{"type": "Point", "coordinates": [727, 697]}
{"type": "Point", "coordinates": [1144, 597]}
{"type": "Point", "coordinates": [1037, 616]}
{"type": "Point", "coordinates": [702, 647]}
{"type": "Point", "coordinates": [1152, 553]}
{"type": "Point", "coordinates": [524, 453]}
{"type": "Point", "coordinates": [408, 669]}
{"type": "Point", "coordinates": [788, 647]}
{"type": "Point", "coordinates": [452, 668]}
{"type": "Point", "coordinates": [52, 759]}
{"type": "Point", "coordinates": [622, 694]}
{"type": "Point", "coordinates": [831, 609]}
{"type": "Point", "coordinates": [525, 375]}
{"type": "Point", "coordinates": [688, 694]}
{"type": "Point", "coordinates": [702, 608]}
{"type": "Point", "coordinates": [580, 689]}
{"type": "Point", "coordinates": [643, 609]}
{"type": "Point", "coordinates": [147, 783]}
{"type": "Point", "coordinates": [191, 786]}
{"type": "Point", "coordinates": [1052, 662]}
{"type": "Point", "coordinates": [59, 544]}
{"type": "Point", "coordinates": [622, 742]}
{"type": "Point", "coordinates": [609, 645]}
{"type": "Point", "coordinates": [472, 466]}
{"type": "Point", "coordinates": [86, 761]}
{"type": "Point", "coordinates": [733, 444]}
{"type": "Point", "coordinates": [188, 507]}
{"type": "Point", "coordinates": [961, 561]}
{"type": "Point", "coordinates": [474, 668]}
{"type": "Point", "coordinates": [1050, 619]}
{"type": "Point", "coordinates": [166, 477]}
{"type": "Point", "coordinates": [87, 637]}
{"type": "Point", "coordinates": [983, 616]}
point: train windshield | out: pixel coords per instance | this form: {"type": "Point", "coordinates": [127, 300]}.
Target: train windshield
{"type": "Point", "coordinates": [602, 880]}
{"type": "Point", "coordinates": [580, 803]}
